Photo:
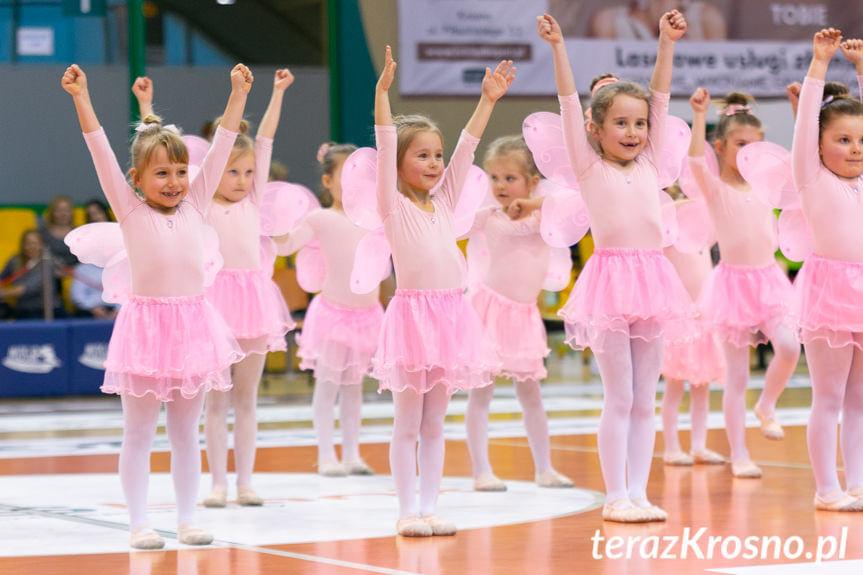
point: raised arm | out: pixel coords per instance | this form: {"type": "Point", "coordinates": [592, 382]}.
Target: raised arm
{"type": "Point", "coordinates": [853, 50]}
{"type": "Point", "coordinates": [383, 114]}
{"type": "Point", "coordinates": [143, 90]}
{"type": "Point", "coordinates": [494, 86]}
{"type": "Point", "coordinates": [241, 83]}
{"type": "Point", "coordinates": [793, 92]}
{"type": "Point", "coordinates": [672, 27]}
{"type": "Point", "coordinates": [386, 140]}
{"type": "Point", "coordinates": [549, 30]}
{"type": "Point", "coordinates": [700, 102]}
{"type": "Point", "coordinates": [805, 159]}
{"type": "Point", "coordinates": [74, 81]}
{"type": "Point", "coordinates": [282, 80]}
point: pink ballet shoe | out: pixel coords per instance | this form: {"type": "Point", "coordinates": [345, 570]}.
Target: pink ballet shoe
{"type": "Point", "coordinates": [413, 526]}
{"type": "Point", "coordinates": [145, 538]}
{"type": "Point", "coordinates": [247, 497]}
{"type": "Point", "coordinates": [745, 470]}
{"type": "Point", "coordinates": [770, 428]}
{"type": "Point", "coordinates": [357, 467]}
{"type": "Point", "coordinates": [216, 498]}
{"type": "Point", "coordinates": [553, 479]}
{"type": "Point", "coordinates": [856, 492]}
{"type": "Point", "coordinates": [677, 458]}
{"type": "Point", "coordinates": [332, 469]}
{"type": "Point", "coordinates": [708, 457]}
{"type": "Point", "coordinates": [624, 511]}
{"type": "Point", "coordinates": [653, 512]}
{"type": "Point", "coordinates": [488, 482]}
{"type": "Point", "coordinates": [439, 526]}
{"type": "Point", "coordinates": [838, 501]}
{"type": "Point", "coordinates": [188, 534]}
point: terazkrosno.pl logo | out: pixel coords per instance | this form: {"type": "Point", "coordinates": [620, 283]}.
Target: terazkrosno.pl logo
{"type": "Point", "coordinates": [31, 358]}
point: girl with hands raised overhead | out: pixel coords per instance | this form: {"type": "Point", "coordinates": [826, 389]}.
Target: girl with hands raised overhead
{"type": "Point", "coordinates": [628, 295]}
{"type": "Point", "coordinates": [169, 344]}
{"type": "Point", "coordinates": [827, 167]}
{"type": "Point", "coordinates": [431, 342]}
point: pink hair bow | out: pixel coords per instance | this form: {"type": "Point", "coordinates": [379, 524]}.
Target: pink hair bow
{"type": "Point", "coordinates": [170, 127]}
{"type": "Point", "coordinates": [737, 109]}
{"type": "Point", "coordinates": [322, 152]}
{"type": "Point", "coordinates": [602, 83]}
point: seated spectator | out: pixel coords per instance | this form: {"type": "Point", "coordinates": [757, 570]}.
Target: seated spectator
{"type": "Point", "coordinates": [55, 223]}
{"type": "Point", "coordinates": [86, 289]}
{"type": "Point", "coordinates": [21, 280]}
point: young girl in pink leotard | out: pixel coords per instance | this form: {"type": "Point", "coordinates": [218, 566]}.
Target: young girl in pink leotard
{"type": "Point", "coordinates": [747, 297]}
{"type": "Point", "coordinates": [169, 344]}
{"type": "Point", "coordinates": [827, 166]}
{"type": "Point", "coordinates": [340, 328]}
{"type": "Point", "coordinates": [506, 301]}
{"type": "Point", "coordinates": [431, 342]}
{"type": "Point", "coordinates": [697, 360]}
{"type": "Point", "coordinates": [628, 291]}
{"type": "Point", "coordinates": [247, 297]}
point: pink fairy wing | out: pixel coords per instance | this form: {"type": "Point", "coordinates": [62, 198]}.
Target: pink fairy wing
{"type": "Point", "coordinates": [283, 205]}
{"type": "Point", "coordinates": [371, 262]}
{"type": "Point", "coordinates": [564, 219]}
{"type": "Point", "coordinates": [695, 228]}
{"type": "Point", "coordinates": [473, 195]}
{"type": "Point", "coordinates": [213, 260]}
{"type": "Point", "coordinates": [559, 272]}
{"type": "Point", "coordinates": [687, 181]}
{"type": "Point", "coordinates": [311, 267]}
{"type": "Point", "coordinates": [359, 193]}
{"type": "Point", "coordinates": [478, 258]}
{"type": "Point", "coordinates": [669, 219]}
{"type": "Point", "coordinates": [117, 279]}
{"type": "Point", "coordinates": [198, 148]}
{"type": "Point", "coordinates": [543, 134]}
{"type": "Point", "coordinates": [674, 150]}
{"type": "Point", "coordinates": [96, 243]}
{"type": "Point", "coordinates": [795, 237]}
{"type": "Point", "coordinates": [767, 168]}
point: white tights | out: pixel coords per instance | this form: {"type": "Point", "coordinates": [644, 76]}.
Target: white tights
{"type": "Point", "coordinates": [246, 375]}
{"type": "Point", "coordinates": [350, 394]}
{"type": "Point", "coordinates": [837, 386]}
{"type": "Point", "coordinates": [141, 417]}
{"type": "Point", "coordinates": [699, 406]}
{"type": "Point", "coordinates": [535, 424]}
{"type": "Point", "coordinates": [786, 353]}
{"type": "Point", "coordinates": [418, 416]}
{"type": "Point", "coordinates": [630, 369]}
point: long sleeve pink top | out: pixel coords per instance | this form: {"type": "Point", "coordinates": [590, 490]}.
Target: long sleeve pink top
{"type": "Point", "coordinates": [238, 224]}
{"type": "Point", "coordinates": [166, 252]}
{"type": "Point", "coordinates": [425, 253]}
{"type": "Point", "coordinates": [623, 207]}
{"type": "Point", "coordinates": [833, 207]}
{"type": "Point", "coordinates": [745, 226]}
{"type": "Point", "coordinates": [338, 238]}
{"type": "Point", "coordinates": [518, 256]}
{"type": "Point", "coordinates": [693, 268]}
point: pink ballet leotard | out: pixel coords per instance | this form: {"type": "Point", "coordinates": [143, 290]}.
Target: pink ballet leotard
{"type": "Point", "coordinates": [244, 291]}
{"type": "Point", "coordinates": [747, 294]}
{"type": "Point", "coordinates": [167, 337]}
{"type": "Point", "coordinates": [505, 299]}
{"type": "Point", "coordinates": [627, 284]}
{"type": "Point", "coordinates": [340, 328]}
{"type": "Point", "coordinates": [431, 335]}
{"type": "Point", "coordinates": [829, 286]}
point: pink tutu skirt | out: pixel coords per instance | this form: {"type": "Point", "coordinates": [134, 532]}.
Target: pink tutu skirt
{"type": "Point", "coordinates": [253, 307]}
{"type": "Point", "coordinates": [745, 303]}
{"type": "Point", "coordinates": [699, 360]}
{"type": "Point", "coordinates": [163, 345]}
{"type": "Point", "coordinates": [516, 332]}
{"type": "Point", "coordinates": [627, 290]}
{"type": "Point", "coordinates": [828, 301]}
{"type": "Point", "coordinates": [432, 337]}
{"type": "Point", "coordinates": [338, 342]}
